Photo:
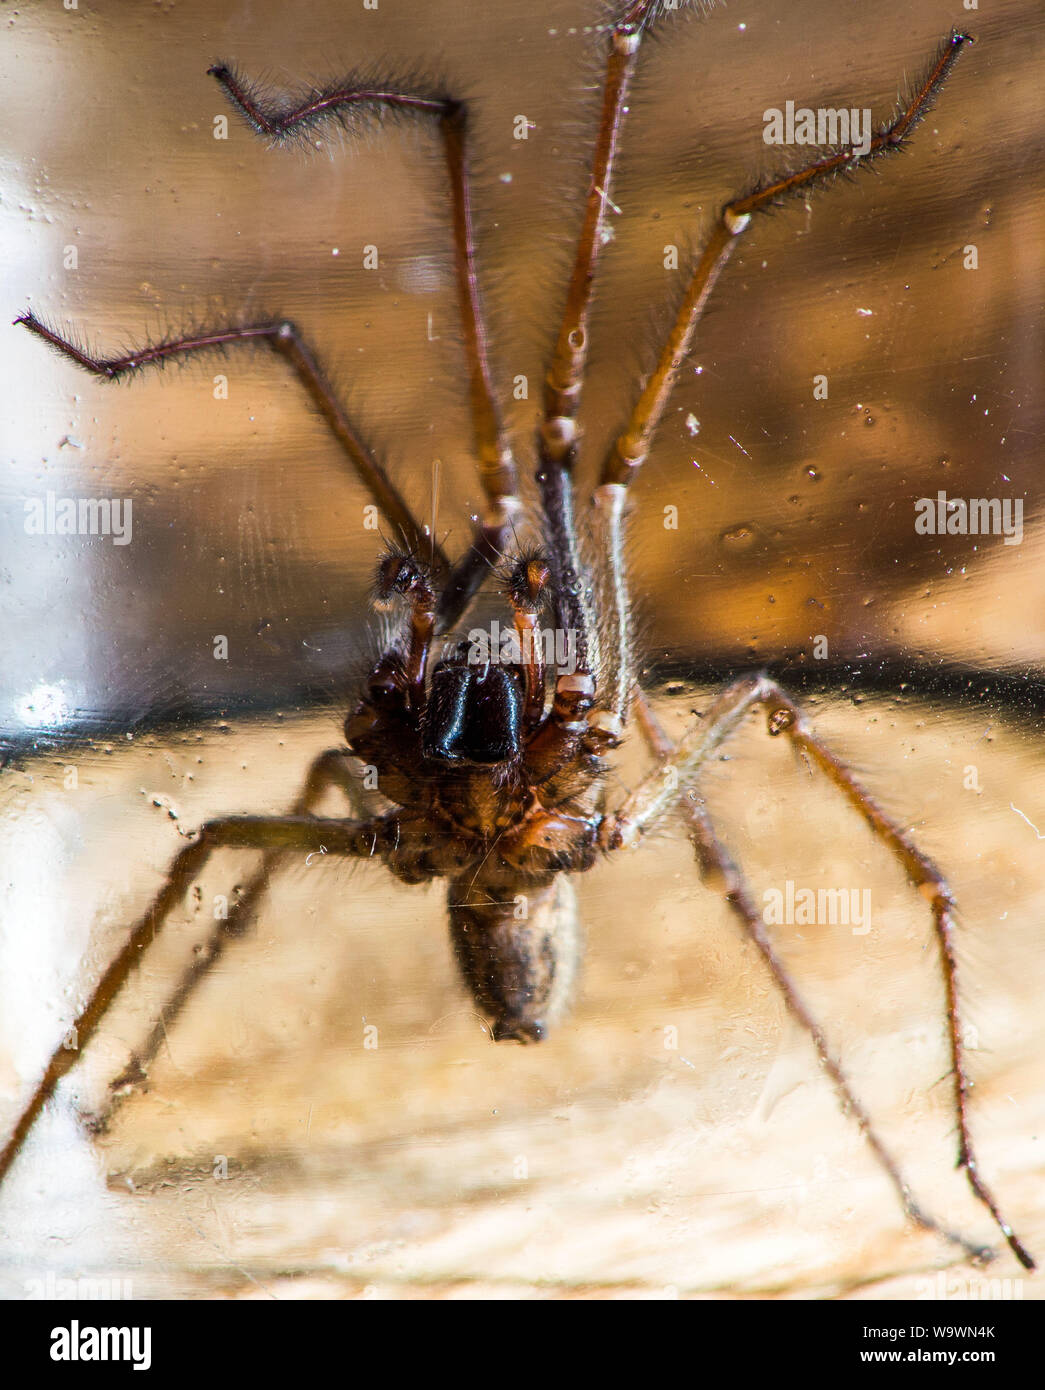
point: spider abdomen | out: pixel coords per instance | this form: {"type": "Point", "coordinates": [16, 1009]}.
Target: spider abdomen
{"type": "Point", "coordinates": [519, 956]}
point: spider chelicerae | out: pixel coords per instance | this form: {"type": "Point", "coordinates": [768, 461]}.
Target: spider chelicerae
{"type": "Point", "coordinates": [492, 764]}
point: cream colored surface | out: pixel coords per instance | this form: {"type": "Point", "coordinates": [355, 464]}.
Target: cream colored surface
{"type": "Point", "coordinates": [602, 1163]}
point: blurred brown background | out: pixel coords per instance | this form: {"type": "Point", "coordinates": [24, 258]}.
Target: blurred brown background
{"type": "Point", "coordinates": [723, 1167]}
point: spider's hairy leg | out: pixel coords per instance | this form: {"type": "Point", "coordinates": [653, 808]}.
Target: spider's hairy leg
{"type": "Point", "coordinates": [527, 586]}
{"type": "Point", "coordinates": [558, 434]}
{"type": "Point", "coordinates": [400, 575]}
{"type": "Point", "coordinates": [359, 838]}
{"type": "Point", "coordinates": [632, 447]}
{"type": "Point", "coordinates": [787, 718]}
{"type": "Point", "coordinates": [285, 340]}
{"type": "Point", "coordinates": [565, 378]}
{"type": "Point", "coordinates": [721, 874]}
{"type": "Point", "coordinates": [497, 472]}
{"type": "Point", "coordinates": [329, 771]}
{"type": "Point", "coordinates": [656, 796]}
{"type": "Point", "coordinates": [617, 664]}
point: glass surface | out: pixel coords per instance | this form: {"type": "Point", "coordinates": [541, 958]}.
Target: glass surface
{"type": "Point", "coordinates": [606, 1162]}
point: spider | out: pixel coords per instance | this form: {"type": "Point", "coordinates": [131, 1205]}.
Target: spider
{"type": "Point", "coordinates": [493, 767]}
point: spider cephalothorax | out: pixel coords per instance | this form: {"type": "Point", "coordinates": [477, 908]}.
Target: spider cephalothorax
{"type": "Point", "coordinates": [490, 791]}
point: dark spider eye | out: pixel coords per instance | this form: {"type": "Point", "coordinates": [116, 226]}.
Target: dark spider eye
{"type": "Point", "coordinates": [473, 713]}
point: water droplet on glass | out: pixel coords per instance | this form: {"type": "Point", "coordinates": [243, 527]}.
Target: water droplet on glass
{"type": "Point", "coordinates": [739, 537]}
